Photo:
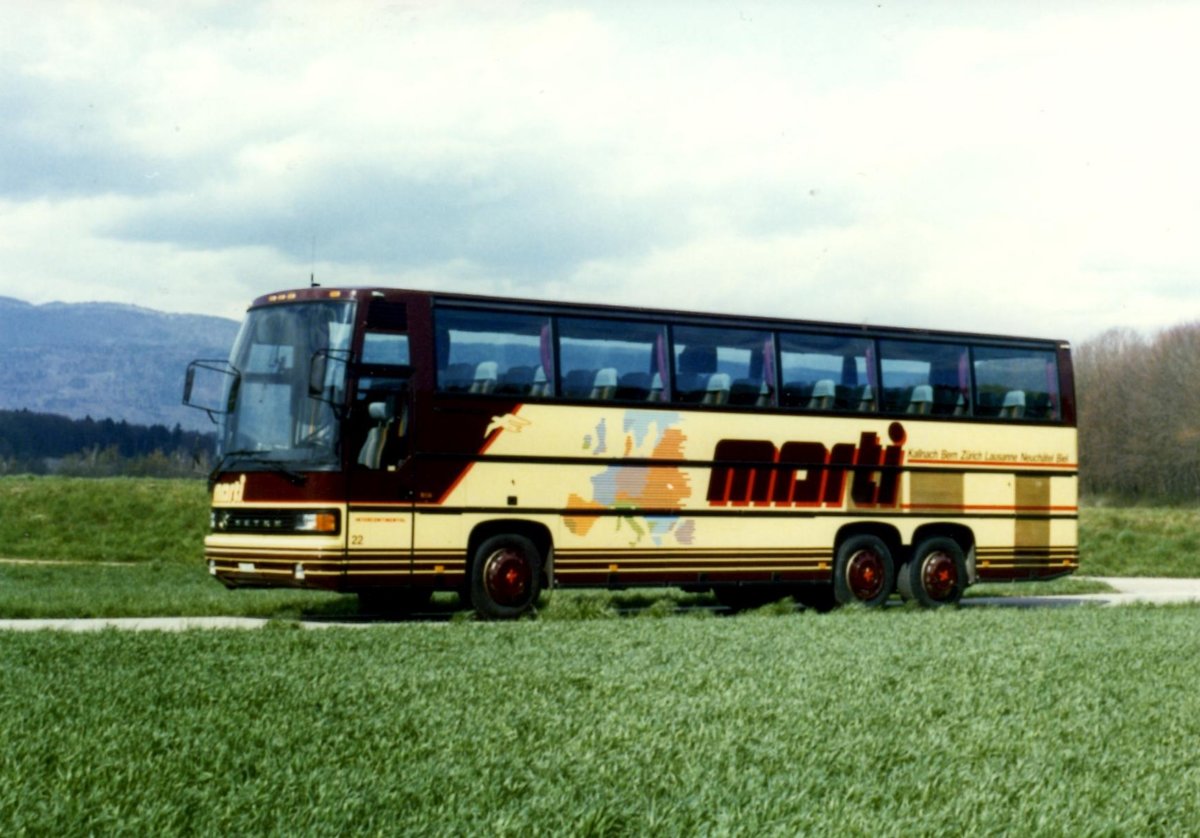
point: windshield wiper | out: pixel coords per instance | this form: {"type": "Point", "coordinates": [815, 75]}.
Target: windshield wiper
{"type": "Point", "coordinates": [294, 477]}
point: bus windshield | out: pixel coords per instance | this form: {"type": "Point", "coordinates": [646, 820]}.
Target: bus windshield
{"type": "Point", "coordinates": [282, 355]}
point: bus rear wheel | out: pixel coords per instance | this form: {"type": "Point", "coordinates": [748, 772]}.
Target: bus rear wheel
{"type": "Point", "coordinates": [936, 575]}
{"type": "Point", "coordinates": [863, 571]}
{"type": "Point", "coordinates": [505, 577]}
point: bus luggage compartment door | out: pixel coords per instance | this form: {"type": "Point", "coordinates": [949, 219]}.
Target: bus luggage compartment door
{"type": "Point", "coordinates": [379, 546]}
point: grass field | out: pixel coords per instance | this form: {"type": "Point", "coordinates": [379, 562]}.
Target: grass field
{"type": "Point", "coordinates": [1140, 541]}
{"type": "Point", "coordinates": [1054, 721]}
{"type": "Point", "coordinates": [1057, 721]}
{"type": "Point", "coordinates": [147, 590]}
{"type": "Point", "coordinates": [103, 520]}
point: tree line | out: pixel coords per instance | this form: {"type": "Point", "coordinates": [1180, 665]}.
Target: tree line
{"type": "Point", "coordinates": [1139, 414]}
{"type": "Point", "coordinates": [40, 443]}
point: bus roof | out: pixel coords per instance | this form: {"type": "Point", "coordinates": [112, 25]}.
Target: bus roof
{"type": "Point", "coordinates": [607, 310]}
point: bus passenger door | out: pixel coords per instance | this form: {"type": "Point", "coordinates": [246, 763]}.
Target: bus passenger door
{"type": "Point", "coordinates": [380, 514]}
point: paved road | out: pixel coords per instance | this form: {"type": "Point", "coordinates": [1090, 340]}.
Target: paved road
{"type": "Point", "coordinates": [135, 624]}
{"type": "Point", "coordinates": [1129, 590]}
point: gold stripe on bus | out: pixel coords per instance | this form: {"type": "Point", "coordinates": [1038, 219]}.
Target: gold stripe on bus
{"type": "Point", "coordinates": [274, 561]}
{"type": "Point", "coordinates": [684, 569]}
{"type": "Point", "coordinates": [731, 551]}
{"type": "Point", "coordinates": [1001, 560]}
{"type": "Point", "coordinates": [683, 558]}
{"type": "Point", "coordinates": [1027, 554]}
{"type": "Point", "coordinates": [979, 507]}
{"type": "Point", "coordinates": [1028, 566]}
{"type": "Point", "coordinates": [250, 506]}
{"type": "Point", "coordinates": [1014, 464]}
{"type": "Point", "coordinates": [266, 552]}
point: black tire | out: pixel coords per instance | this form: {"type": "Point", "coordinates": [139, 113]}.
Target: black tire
{"type": "Point", "coordinates": [904, 583]}
{"type": "Point", "coordinates": [506, 577]}
{"type": "Point", "coordinates": [863, 571]}
{"type": "Point", "coordinates": [937, 573]}
{"type": "Point", "coordinates": [392, 602]}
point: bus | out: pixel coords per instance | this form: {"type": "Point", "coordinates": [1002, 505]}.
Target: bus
{"type": "Point", "coordinates": [396, 443]}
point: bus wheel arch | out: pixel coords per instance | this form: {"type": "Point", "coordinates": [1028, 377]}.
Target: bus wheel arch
{"type": "Point", "coordinates": [864, 566]}
{"type": "Point", "coordinates": [507, 568]}
{"type": "Point", "coordinates": [936, 572]}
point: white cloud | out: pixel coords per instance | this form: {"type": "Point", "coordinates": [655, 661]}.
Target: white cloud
{"type": "Point", "coordinates": [1001, 169]}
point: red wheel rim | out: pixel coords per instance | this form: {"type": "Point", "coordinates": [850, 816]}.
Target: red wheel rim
{"type": "Point", "coordinates": [507, 575]}
{"type": "Point", "coordinates": [939, 575]}
{"type": "Point", "coordinates": [864, 575]}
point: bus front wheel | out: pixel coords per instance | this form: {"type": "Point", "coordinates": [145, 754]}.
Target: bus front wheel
{"type": "Point", "coordinates": [936, 575]}
{"type": "Point", "coordinates": [863, 571]}
{"type": "Point", "coordinates": [505, 577]}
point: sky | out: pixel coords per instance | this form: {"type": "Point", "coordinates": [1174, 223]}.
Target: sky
{"type": "Point", "coordinates": [1027, 168]}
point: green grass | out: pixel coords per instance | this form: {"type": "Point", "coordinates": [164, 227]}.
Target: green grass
{"type": "Point", "coordinates": [149, 590]}
{"type": "Point", "coordinates": [1140, 541]}
{"type": "Point", "coordinates": [1064, 586]}
{"type": "Point", "coordinates": [1057, 721]}
{"type": "Point", "coordinates": [117, 519]}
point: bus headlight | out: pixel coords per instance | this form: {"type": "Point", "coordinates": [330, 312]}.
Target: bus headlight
{"type": "Point", "coordinates": [320, 522]}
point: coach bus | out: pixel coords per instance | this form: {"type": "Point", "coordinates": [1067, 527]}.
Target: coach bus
{"type": "Point", "coordinates": [397, 443]}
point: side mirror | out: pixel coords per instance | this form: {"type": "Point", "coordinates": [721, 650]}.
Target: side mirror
{"type": "Point", "coordinates": [210, 386]}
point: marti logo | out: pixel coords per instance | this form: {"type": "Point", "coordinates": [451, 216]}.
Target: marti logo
{"type": "Point", "coordinates": [753, 471]}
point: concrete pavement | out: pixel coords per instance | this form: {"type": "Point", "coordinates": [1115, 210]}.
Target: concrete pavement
{"type": "Point", "coordinates": [1128, 590]}
{"type": "Point", "coordinates": [156, 624]}
{"type": "Point", "coordinates": [1150, 589]}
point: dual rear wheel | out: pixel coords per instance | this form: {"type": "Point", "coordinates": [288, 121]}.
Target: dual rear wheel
{"type": "Point", "coordinates": [936, 575]}
{"type": "Point", "coordinates": [865, 572]}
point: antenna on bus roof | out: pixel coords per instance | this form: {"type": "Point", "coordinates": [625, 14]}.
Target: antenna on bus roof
{"type": "Point", "coordinates": [312, 276]}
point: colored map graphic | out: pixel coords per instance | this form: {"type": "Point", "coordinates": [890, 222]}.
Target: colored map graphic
{"type": "Point", "coordinates": [648, 435]}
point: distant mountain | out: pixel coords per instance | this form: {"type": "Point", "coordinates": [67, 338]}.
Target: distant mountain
{"type": "Point", "coordinates": [105, 360]}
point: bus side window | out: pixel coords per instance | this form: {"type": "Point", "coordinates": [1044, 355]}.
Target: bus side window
{"type": "Point", "coordinates": [827, 372]}
{"type": "Point", "coordinates": [1013, 383]}
{"type": "Point", "coordinates": [385, 348]}
{"type": "Point", "coordinates": [715, 366]}
{"type": "Point", "coordinates": [611, 360]}
{"type": "Point", "coordinates": [488, 352]}
{"type": "Point", "coordinates": [925, 378]}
